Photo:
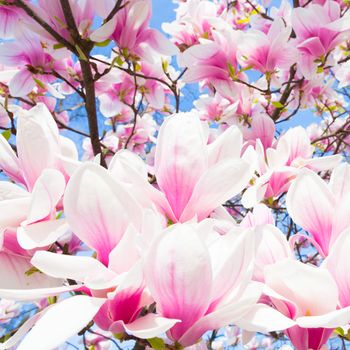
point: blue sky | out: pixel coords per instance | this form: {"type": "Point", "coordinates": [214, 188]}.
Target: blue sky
{"type": "Point", "coordinates": [163, 11]}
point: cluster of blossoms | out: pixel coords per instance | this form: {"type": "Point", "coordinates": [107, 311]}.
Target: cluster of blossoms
{"type": "Point", "coordinates": [160, 226]}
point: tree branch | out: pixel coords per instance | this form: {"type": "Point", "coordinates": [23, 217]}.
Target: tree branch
{"type": "Point", "coordinates": [89, 83]}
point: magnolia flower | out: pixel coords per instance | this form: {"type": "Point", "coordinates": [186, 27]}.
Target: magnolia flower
{"type": "Point", "coordinates": [321, 208]}
{"type": "Point", "coordinates": [202, 278]}
{"type": "Point", "coordinates": [267, 52]}
{"type": "Point", "coordinates": [28, 53]}
{"type": "Point", "coordinates": [337, 263]}
{"type": "Point", "coordinates": [316, 39]}
{"type": "Point", "coordinates": [39, 166]}
{"type": "Point", "coordinates": [197, 179]}
{"type": "Point", "coordinates": [107, 218]}
{"type": "Point", "coordinates": [294, 289]}
{"type": "Point", "coordinates": [280, 164]}
{"type": "Point", "coordinates": [130, 29]}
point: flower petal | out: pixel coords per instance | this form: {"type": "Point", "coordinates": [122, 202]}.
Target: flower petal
{"type": "Point", "coordinates": [220, 183]}
{"type": "Point", "coordinates": [181, 135]}
{"type": "Point", "coordinates": [313, 213]}
{"type": "Point", "coordinates": [41, 234]}
{"type": "Point", "coordinates": [99, 209]}
{"type": "Point", "coordinates": [50, 332]}
{"type": "Point", "coordinates": [9, 162]}
{"type": "Point", "coordinates": [78, 268]}
{"type": "Point", "coordinates": [47, 191]}
{"type": "Point", "coordinates": [150, 326]}
{"type": "Point", "coordinates": [37, 142]}
{"type": "Point", "coordinates": [178, 274]}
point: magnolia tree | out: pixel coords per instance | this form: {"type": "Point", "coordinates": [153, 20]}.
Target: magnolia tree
{"type": "Point", "coordinates": [221, 226]}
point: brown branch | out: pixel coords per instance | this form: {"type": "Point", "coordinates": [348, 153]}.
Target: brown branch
{"type": "Point", "coordinates": [263, 15]}
{"type": "Point", "coordinates": [113, 12]}
{"type": "Point", "coordinates": [285, 95]}
{"type": "Point", "coordinates": [135, 110]}
{"type": "Point", "coordinates": [90, 106]}
{"type": "Point", "coordinates": [89, 83]}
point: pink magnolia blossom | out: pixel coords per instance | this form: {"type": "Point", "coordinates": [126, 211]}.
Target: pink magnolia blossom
{"type": "Point", "coordinates": [39, 147]}
{"type": "Point", "coordinates": [337, 263]}
{"type": "Point", "coordinates": [316, 39]}
{"type": "Point", "coordinates": [28, 53]}
{"type": "Point", "coordinates": [284, 160]}
{"type": "Point", "coordinates": [272, 243]}
{"type": "Point", "coordinates": [198, 178]}
{"type": "Point", "coordinates": [131, 32]}
{"type": "Point", "coordinates": [192, 23]}
{"type": "Point", "coordinates": [206, 286]}
{"type": "Point", "coordinates": [267, 52]}
{"type": "Point", "coordinates": [84, 13]}
{"type": "Point", "coordinates": [212, 59]}
{"type": "Point", "coordinates": [115, 92]}
{"type": "Point", "coordinates": [321, 208]}
{"type": "Point", "coordinates": [116, 275]}
{"type": "Point", "coordinates": [215, 108]}
{"type": "Point", "coordinates": [10, 17]}
{"type": "Point", "coordinates": [32, 215]}
{"type": "Point", "coordinates": [39, 167]}
{"type": "Point", "coordinates": [294, 289]}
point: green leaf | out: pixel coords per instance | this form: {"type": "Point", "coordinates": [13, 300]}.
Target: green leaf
{"type": "Point", "coordinates": [6, 134]}
{"type": "Point", "coordinates": [52, 300]}
{"type": "Point", "coordinates": [165, 65]}
{"type": "Point", "coordinates": [58, 46]}
{"type": "Point", "coordinates": [118, 336]}
{"type": "Point", "coordinates": [125, 52]}
{"type": "Point", "coordinates": [231, 70]}
{"type": "Point", "coordinates": [277, 104]}
{"type": "Point", "coordinates": [59, 215]}
{"type": "Point", "coordinates": [31, 271]}
{"type": "Point", "coordinates": [157, 343]}
{"type": "Point", "coordinates": [39, 83]}
{"type": "Point", "coordinates": [137, 67]}
{"type": "Point", "coordinates": [103, 43]}
{"type": "Point", "coordinates": [246, 68]}
{"type": "Point", "coordinates": [339, 331]}
{"type": "Point", "coordinates": [119, 61]}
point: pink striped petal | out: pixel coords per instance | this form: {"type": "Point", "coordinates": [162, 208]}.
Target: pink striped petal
{"type": "Point", "coordinates": [311, 205]}
{"type": "Point", "coordinates": [22, 83]}
{"type": "Point", "coordinates": [217, 185]}
{"type": "Point", "coordinates": [99, 209]}
{"type": "Point", "coordinates": [181, 135]}
{"type": "Point", "coordinates": [37, 142]}
{"type": "Point", "coordinates": [178, 274]}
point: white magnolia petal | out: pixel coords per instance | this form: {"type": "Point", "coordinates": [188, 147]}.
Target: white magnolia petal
{"type": "Point", "coordinates": [150, 326]}
{"type": "Point", "coordinates": [41, 234]}
{"type": "Point", "coordinates": [60, 322]}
